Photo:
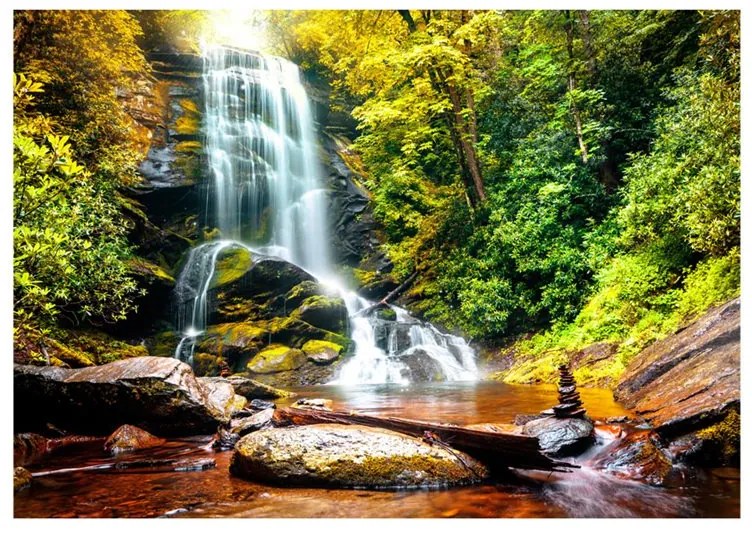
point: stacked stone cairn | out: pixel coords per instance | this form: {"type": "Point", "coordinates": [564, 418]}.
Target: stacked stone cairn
{"type": "Point", "coordinates": [570, 405]}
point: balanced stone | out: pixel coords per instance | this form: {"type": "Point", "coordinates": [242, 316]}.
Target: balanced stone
{"type": "Point", "coordinates": [570, 404]}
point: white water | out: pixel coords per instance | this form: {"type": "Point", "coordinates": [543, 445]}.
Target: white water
{"type": "Point", "coordinates": [267, 196]}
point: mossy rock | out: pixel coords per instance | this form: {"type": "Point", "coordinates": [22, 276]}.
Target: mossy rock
{"type": "Point", "coordinates": [84, 348]}
{"type": "Point", "coordinates": [342, 456]}
{"type": "Point", "coordinates": [276, 358]}
{"type": "Point", "coordinates": [325, 312]}
{"type": "Point", "coordinates": [163, 344]}
{"type": "Point", "coordinates": [73, 358]}
{"type": "Point", "coordinates": [236, 341]}
{"type": "Point", "coordinates": [296, 332]}
{"type": "Point", "coordinates": [237, 309]}
{"type": "Point", "coordinates": [300, 292]}
{"type": "Point", "coordinates": [322, 352]}
{"type": "Point", "coordinates": [386, 313]}
{"type": "Point", "coordinates": [151, 271]}
{"type": "Point", "coordinates": [206, 364]}
{"type": "Point", "coordinates": [232, 264]}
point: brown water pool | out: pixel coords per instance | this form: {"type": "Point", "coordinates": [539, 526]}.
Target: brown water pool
{"type": "Point", "coordinates": [215, 493]}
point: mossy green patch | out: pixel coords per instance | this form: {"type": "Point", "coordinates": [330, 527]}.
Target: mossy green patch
{"type": "Point", "coordinates": [163, 344]}
{"type": "Point", "coordinates": [232, 264]}
{"type": "Point", "coordinates": [206, 364]}
{"type": "Point", "coordinates": [387, 313]}
{"type": "Point", "coordinates": [151, 270]}
{"type": "Point", "coordinates": [189, 147]}
{"type": "Point", "coordinates": [322, 352]}
{"type": "Point", "coordinates": [726, 435]}
{"type": "Point", "coordinates": [276, 358]}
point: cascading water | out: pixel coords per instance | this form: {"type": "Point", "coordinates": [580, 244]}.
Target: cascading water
{"type": "Point", "coordinates": [266, 196]}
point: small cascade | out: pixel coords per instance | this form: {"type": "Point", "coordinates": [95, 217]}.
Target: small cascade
{"type": "Point", "coordinates": [191, 294]}
{"type": "Point", "coordinates": [266, 196]}
{"type": "Point", "coordinates": [403, 349]}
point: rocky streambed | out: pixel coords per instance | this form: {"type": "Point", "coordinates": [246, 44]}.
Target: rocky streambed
{"type": "Point", "coordinates": [142, 416]}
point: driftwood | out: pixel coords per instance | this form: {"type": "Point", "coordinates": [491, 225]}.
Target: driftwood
{"type": "Point", "coordinates": [497, 449]}
{"type": "Point", "coordinates": [386, 299]}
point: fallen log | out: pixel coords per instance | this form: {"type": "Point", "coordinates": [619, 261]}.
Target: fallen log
{"type": "Point", "coordinates": [386, 299]}
{"type": "Point", "coordinates": [498, 450]}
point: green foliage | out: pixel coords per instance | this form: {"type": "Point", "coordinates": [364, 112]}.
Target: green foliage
{"type": "Point", "coordinates": [609, 143]}
{"type": "Point", "coordinates": [68, 236]}
{"type": "Point", "coordinates": [87, 60]}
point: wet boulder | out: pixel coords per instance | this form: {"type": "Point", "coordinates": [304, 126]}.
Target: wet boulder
{"type": "Point", "coordinates": [28, 448]}
{"type": "Point", "coordinates": [129, 438]}
{"type": "Point", "coordinates": [561, 437]}
{"type": "Point", "coordinates": [340, 456]}
{"type": "Point", "coordinates": [220, 393]}
{"type": "Point", "coordinates": [325, 312]}
{"type": "Point", "coordinates": [690, 380]}
{"type": "Point", "coordinates": [158, 394]}
{"type": "Point", "coordinates": [276, 358]}
{"type": "Point", "coordinates": [421, 367]}
{"type": "Point", "coordinates": [712, 446]}
{"type": "Point", "coordinates": [636, 456]}
{"type": "Point", "coordinates": [322, 352]}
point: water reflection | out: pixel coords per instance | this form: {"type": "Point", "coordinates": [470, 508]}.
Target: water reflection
{"type": "Point", "coordinates": [215, 493]}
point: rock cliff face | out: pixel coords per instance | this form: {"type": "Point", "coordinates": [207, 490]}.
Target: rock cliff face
{"type": "Point", "coordinates": [689, 383]}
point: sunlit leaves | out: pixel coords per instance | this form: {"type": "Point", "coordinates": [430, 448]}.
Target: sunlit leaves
{"type": "Point", "coordinates": [68, 236]}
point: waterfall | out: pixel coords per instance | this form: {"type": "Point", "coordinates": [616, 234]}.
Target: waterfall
{"type": "Point", "coordinates": [266, 196]}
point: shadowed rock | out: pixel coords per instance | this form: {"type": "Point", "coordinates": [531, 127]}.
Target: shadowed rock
{"type": "Point", "coordinates": [561, 436]}
{"type": "Point", "coordinates": [159, 394]}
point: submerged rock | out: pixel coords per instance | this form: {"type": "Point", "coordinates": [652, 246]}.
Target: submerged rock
{"type": "Point", "coordinates": [561, 436]}
{"type": "Point", "coordinates": [314, 403]}
{"type": "Point", "coordinates": [28, 448]}
{"type": "Point", "coordinates": [636, 456]}
{"type": "Point", "coordinates": [689, 380]}
{"type": "Point", "coordinates": [341, 456]}
{"type": "Point", "coordinates": [129, 438]}
{"type": "Point", "coordinates": [159, 394]}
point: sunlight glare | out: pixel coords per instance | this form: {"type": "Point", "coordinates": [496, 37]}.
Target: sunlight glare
{"type": "Point", "coordinates": [238, 28]}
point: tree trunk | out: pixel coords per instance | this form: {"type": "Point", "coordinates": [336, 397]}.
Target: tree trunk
{"type": "Point", "coordinates": [497, 449]}
{"type": "Point", "coordinates": [587, 39]}
{"type": "Point", "coordinates": [463, 130]}
{"type": "Point", "coordinates": [572, 85]}
{"type": "Point", "coordinates": [465, 133]}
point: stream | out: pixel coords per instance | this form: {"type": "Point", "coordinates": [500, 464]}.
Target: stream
{"type": "Point", "coordinates": [147, 492]}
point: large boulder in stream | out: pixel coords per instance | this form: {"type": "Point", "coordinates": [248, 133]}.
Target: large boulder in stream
{"type": "Point", "coordinates": [158, 394]}
{"type": "Point", "coordinates": [688, 383]}
{"type": "Point", "coordinates": [341, 456]}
